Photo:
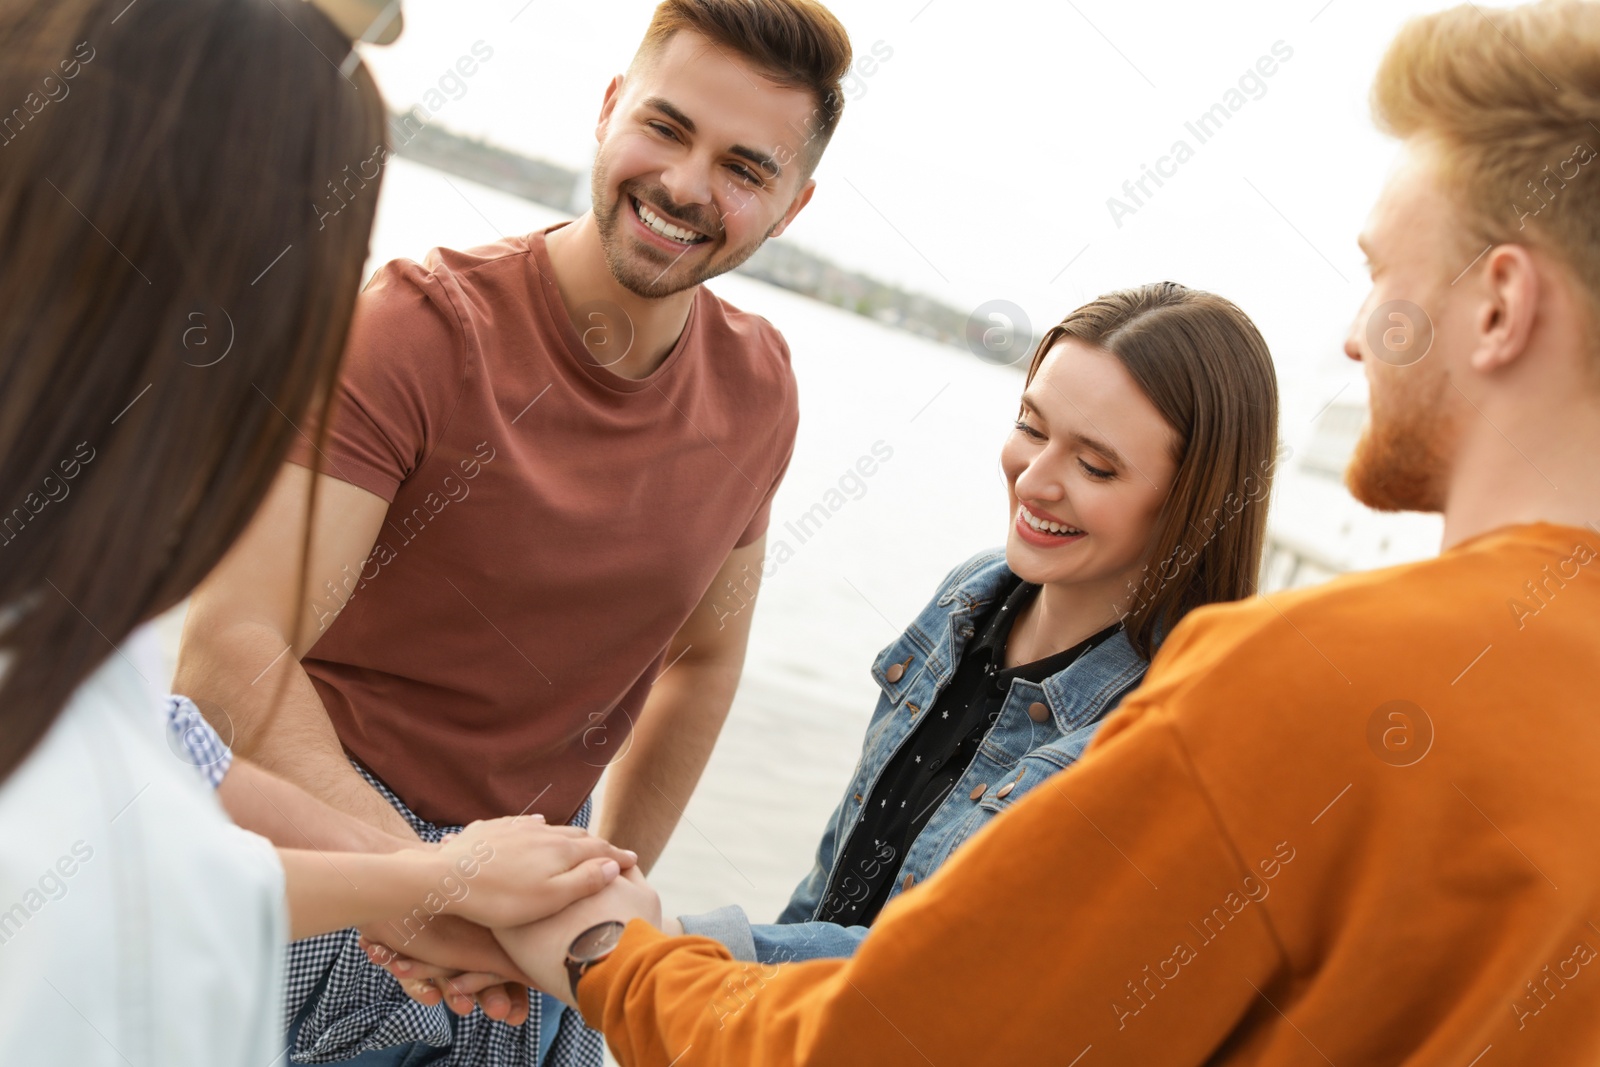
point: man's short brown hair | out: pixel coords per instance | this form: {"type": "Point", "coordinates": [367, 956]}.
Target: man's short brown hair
{"type": "Point", "coordinates": [795, 43]}
{"type": "Point", "coordinates": [1512, 98]}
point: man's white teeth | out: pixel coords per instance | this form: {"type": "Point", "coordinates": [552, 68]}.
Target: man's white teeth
{"type": "Point", "coordinates": [1046, 527]}
{"type": "Point", "coordinates": [665, 228]}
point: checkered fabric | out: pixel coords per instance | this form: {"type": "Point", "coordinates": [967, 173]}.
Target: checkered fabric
{"type": "Point", "coordinates": [193, 740]}
{"type": "Point", "coordinates": [361, 1006]}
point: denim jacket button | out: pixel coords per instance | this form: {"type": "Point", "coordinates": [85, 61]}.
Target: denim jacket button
{"type": "Point", "coordinates": [1005, 790]}
{"type": "Point", "coordinates": [897, 671]}
{"type": "Point", "coordinates": [977, 792]}
{"type": "Point", "coordinates": [1038, 711]}
{"type": "Point", "coordinates": [910, 881]}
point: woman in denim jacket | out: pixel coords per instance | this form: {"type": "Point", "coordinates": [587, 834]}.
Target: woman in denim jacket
{"type": "Point", "coordinates": [1138, 473]}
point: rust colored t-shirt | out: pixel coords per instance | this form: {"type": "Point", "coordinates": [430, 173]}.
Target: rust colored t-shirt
{"type": "Point", "coordinates": [551, 525]}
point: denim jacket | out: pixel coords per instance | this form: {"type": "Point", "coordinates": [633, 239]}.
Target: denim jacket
{"type": "Point", "coordinates": [1016, 755]}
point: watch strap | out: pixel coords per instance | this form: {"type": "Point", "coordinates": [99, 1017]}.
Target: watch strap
{"type": "Point", "coordinates": [575, 970]}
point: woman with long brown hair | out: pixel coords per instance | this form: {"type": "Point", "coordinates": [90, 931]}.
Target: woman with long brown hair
{"type": "Point", "coordinates": [171, 306]}
{"type": "Point", "coordinates": [1138, 473]}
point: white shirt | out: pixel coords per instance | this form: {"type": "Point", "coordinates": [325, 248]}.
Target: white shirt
{"type": "Point", "coordinates": [138, 926]}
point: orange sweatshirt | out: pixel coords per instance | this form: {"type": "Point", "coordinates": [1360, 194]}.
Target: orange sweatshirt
{"type": "Point", "coordinates": [1357, 824]}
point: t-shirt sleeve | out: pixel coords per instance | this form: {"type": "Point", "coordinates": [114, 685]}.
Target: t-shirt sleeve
{"type": "Point", "coordinates": [402, 375]}
{"type": "Point", "coordinates": [788, 429]}
{"type": "Point", "coordinates": [1066, 919]}
{"type": "Point", "coordinates": [763, 516]}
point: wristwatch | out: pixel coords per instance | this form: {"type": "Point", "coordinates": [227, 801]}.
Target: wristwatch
{"type": "Point", "coordinates": [589, 948]}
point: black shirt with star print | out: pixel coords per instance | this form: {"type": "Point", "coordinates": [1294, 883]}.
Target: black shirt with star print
{"type": "Point", "coordinates": [930, 762]}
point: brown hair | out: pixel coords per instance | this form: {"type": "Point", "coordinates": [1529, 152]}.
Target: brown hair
{"type": "Point", "coordinates": [1206, 368]}
{"type": "Point", "coordinates": [173, 304]}
{"type": "Point", "coordinates": [796, 43]}
{"type": "Point", "coordinates": [1512, 97]}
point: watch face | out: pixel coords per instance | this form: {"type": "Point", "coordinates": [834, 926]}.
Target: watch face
{"type": "Point", "coordinates": [595, 942]}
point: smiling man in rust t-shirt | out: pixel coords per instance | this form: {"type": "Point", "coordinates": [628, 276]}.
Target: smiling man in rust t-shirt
{"type": "Point", "coordinates": [551, 525]}
{"type": "Point", "coordinates": [549, 461]}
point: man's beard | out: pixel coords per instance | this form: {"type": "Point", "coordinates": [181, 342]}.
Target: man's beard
{"type": "Point", "coordinates": [1400, 463]}
{"type": "Point", "coordinates": [638, 276]}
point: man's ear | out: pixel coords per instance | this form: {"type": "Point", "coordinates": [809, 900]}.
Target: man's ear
{"type": "Point", "coordinates": [1509, 303]}
{"type": "Point", "coordinates": [607, 106]}
{"type": "Point", "coordinates": [802, 198]}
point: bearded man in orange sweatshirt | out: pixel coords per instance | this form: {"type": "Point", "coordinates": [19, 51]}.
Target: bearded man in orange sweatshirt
{"type": "Point", "coordinates": [1351, 824]}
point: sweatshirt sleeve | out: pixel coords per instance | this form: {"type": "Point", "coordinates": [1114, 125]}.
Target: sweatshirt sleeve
{"type": "Point", "coordinates": [1104, 911]}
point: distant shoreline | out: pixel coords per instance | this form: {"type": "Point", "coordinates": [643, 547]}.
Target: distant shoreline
{"type": "Point", "coordinates": [778, 263]}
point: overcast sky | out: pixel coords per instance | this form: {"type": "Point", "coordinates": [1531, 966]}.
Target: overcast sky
{"type": "Point", "coordinates": [976, 162]}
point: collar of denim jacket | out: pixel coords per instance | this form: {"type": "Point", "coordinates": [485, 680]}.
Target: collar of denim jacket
{"type": "Point", "coordinates": [1094, 682]}
{"type": "Point", "coordinates": [1078, 695]}
{"type": "Point", "coordinates": [975, 583]}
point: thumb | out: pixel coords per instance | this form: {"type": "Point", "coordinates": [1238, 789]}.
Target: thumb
{"type": "Point", "coordinates": [584, 880]}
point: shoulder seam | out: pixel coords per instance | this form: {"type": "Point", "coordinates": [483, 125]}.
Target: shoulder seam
{"type": "Point", "coordinates": [461, 375]}
{"type": "Point", "coordinates": [1223, 830]}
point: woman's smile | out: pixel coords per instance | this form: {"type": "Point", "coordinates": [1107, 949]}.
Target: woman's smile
{"type": "Point", "coordinates": [1043, 531]}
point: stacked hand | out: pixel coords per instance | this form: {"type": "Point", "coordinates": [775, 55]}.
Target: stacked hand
{"type": "Point", "coordinates": [540, 949]}
{"type": "Point", "coordinates": [519, 870]}
{"type": "Point", "coordinates": [498, 873]}
{"type": "Point", "coordinates": [453, 962]}
{"type": "Point", "coordinates": [527, 954]}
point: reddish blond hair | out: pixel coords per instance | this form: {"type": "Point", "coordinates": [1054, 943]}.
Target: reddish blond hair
{"type": "Point", "coordinates": [795, 43]}
{"type": "Point", "coordinates": [1512, 98]}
